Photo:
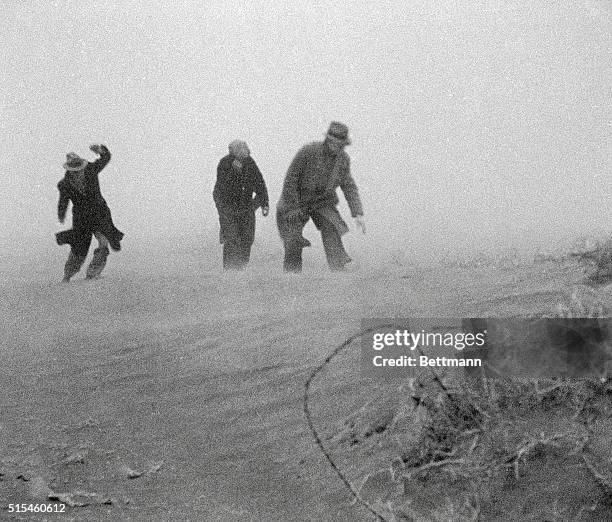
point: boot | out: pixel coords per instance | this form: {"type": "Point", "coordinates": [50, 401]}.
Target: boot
{"type": "Point", "coordinates": [97, 263]}
{"type": "Point", "coordinates": [72, 266]}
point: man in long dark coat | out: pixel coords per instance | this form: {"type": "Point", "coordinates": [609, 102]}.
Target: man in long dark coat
{"type": "Point", "coordinates": [309, 192]}
{"type": "Point", "coordinates": [90, 214]}
{"type": "Point", "coordinates": [238, 178]}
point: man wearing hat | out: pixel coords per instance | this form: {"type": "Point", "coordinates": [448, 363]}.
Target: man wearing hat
{"type": "Point", "coordinates": [238, 178]}
{"type": "Point", "coordinates": [309, 192]}
{"type": "Point", "coordinates": [90, 214]}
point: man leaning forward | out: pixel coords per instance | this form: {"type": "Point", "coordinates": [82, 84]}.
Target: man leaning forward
{"type": "Point", "coordinates": [309, 192]}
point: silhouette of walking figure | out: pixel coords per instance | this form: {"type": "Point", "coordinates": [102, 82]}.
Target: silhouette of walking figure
{"type": "Point", "coordinates": [90, 214]}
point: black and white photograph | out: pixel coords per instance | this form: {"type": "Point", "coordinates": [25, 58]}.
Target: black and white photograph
{"type": "Point", "coordinates": [306, 261]}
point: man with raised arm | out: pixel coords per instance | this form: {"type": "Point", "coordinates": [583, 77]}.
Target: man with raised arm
{"type": "Point", "coordinates": [90, 214]}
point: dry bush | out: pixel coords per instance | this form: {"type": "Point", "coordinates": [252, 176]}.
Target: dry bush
{"type": "Point", "coordinates": [472, 439]}
{"type": "Point", "coordinates": [596, 259]}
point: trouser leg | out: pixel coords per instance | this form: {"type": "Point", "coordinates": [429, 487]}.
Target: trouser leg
{"type": "Point", "coordinates": [102, 240]}
{"type": "Point", "coordinates": [293, 242]}
{"type": "Point", "coordinates": [236, 255]}
{"type": "Point", "coordinates": [233, 257]}
{"type": "Point", "coordinates": [334, 249]}
{"type": "Point", "coordinates": [99, 258]}
{"type": "Point", "coordinates": [226, 255]}
{"type": "Point", "coordinates": [238, 234]}
{"type": "Point", "coordinates": [293, 256]}
{"type": "Point", "coordinates": [247, 235]}
{"type": "Point", "coordinates": [73, 265]}
{"type": "Point", "coordinates": [230, 255]}
{"type": "Point", "coordinates": [245, 254]}
{"type": "Point", "coordinates": [231, 236]}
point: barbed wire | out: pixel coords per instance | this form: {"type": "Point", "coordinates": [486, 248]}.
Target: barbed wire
{"type": "Point", "coordinates": [315, 433]}
{"type": "Point", "coordinates": [313, 429]}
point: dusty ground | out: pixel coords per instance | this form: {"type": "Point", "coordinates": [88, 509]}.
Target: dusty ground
{"type": "Point", "coordinates": [179, 396]}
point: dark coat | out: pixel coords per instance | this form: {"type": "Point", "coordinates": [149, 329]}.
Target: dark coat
{"type": "Point", "coordinates": [234, 189]}
{"type": "Point", "coordinates": [90, 213]}
{"type": "Point", "coordinates": [233, 196]}
{"type": "Point", "coordinates": [309, 191]}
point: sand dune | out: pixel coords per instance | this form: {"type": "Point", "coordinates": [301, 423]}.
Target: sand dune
{"type": "Point", "coordinates": [194, 378]}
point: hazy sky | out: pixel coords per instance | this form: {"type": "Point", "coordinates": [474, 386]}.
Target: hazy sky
{"type": "Point", "coordinates": [471, 121]}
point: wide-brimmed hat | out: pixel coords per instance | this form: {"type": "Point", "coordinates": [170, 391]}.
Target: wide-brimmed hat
{"type": "Point", "coordinates": [339, 132]}
{"type": "Point", "coordinates": [74, 162]}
